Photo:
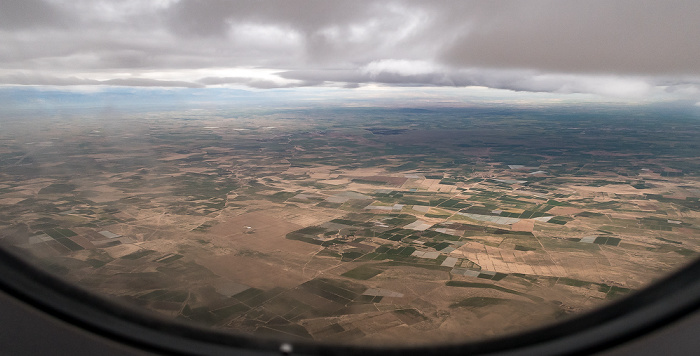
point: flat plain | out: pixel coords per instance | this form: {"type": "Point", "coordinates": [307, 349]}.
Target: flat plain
{"type": "Point", "coordinates": [357, 225]}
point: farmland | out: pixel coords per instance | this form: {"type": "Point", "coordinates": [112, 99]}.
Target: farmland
{"type": "Point", "coordinates": [356, 225]}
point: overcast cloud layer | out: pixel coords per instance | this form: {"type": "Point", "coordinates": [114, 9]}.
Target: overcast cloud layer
{"type": "Point", "coordinates": [632, 48]}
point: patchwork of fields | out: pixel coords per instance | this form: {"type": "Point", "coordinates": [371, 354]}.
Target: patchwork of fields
{"type": "Point", "coordinates": [357, 225]}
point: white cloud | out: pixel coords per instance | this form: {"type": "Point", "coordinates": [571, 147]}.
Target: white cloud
{"type": "Point", "coordinates": [603, 85]}
{"type": "Point", "coordinates": [625, 48]}
{"type": "Point", "coordinates": [41, 79]}
{"type": "Point", "coordinates": [399, 66]}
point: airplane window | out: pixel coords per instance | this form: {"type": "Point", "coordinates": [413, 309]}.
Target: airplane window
{"type": "Point", "coordinates": [354, 174]}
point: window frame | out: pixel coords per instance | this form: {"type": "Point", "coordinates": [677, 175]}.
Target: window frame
{"type": "Point", "coordinates": [616, 323]}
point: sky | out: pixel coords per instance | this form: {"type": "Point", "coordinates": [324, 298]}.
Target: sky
{"type": "Point", "coordinates": [625, 49]}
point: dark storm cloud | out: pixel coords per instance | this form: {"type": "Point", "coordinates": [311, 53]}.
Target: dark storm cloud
{"type": "Point", "coordinates": [20, 14]}
{"type": "Point", "coordinates": [624, 37]}
{"type": "Point", "coordinates": [538, 45]}
{"type": "Point", "coordinates": [213, 17]}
